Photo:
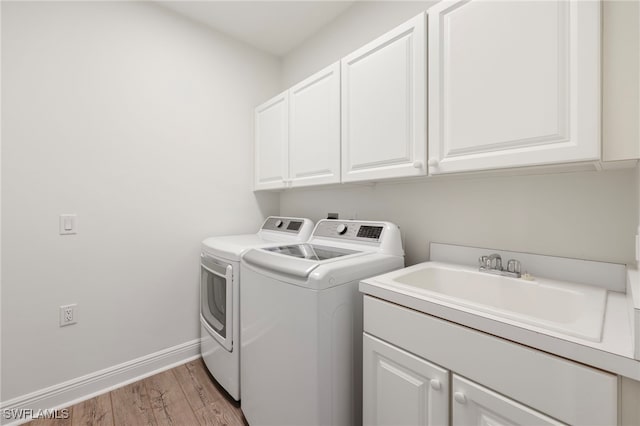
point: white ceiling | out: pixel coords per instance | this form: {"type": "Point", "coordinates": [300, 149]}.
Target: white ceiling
{"type": "Point", "coordinates": [273, 26]}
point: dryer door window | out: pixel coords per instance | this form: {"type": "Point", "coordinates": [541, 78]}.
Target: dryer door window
{"type": "Point", "coordinates": [215, 299]}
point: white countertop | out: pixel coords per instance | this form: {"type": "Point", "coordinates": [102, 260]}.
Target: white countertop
{"type": "Point", "coordinates": [614, 353]}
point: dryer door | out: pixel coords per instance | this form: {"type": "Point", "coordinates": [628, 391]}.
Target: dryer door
{"type": "Point", "coordinates": [216, 292]}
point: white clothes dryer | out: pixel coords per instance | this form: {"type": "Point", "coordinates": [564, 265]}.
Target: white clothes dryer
{"type": "Point", "coordinates": [301, 323]}
{"type": "Point", "coordinates": [220, 282]}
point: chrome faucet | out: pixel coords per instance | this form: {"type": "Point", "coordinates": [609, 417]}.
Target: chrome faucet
{"type": "Point", "coordinates": [492, 264]}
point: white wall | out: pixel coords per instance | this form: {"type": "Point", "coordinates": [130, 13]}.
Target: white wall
{"type": "Point", "coordinates": [355, 27]}
{"type": "Point", "coordinates": [140, 122]}
{"type": "Point", "coordinates": [620, 82]}
{"type": "Point", "coordinates": [584, 215]}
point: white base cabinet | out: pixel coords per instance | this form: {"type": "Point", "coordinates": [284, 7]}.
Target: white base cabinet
{"type": "Point", "coordinates": [492, 381]}
{"type": "Point", "coordinates": [402, 389]}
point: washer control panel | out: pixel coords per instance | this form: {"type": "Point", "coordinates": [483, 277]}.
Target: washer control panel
{"type": "Point", "coordinates": [369, 232]}
{"type": "Point", "coordinates": [282, 224]}
{"type": "Point", "coordinates": [351, 230]}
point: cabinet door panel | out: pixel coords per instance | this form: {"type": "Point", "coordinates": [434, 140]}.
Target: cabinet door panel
{"type": "Point", "coordinates": [402, 389]}
{"type": "Point", "coordinates": [271, 140]}
{"type": "Point", "coordinates": [384, 106]}
{"type": "Point", "coordinates": [513, 83]}
{"type": "Point", "coordinates": [314, 129]}
{"type": "Point", "coordinates": [476, 405]}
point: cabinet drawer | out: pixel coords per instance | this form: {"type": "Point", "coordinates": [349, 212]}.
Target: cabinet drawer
{"type": "Point", "coordinates": [565, 390]}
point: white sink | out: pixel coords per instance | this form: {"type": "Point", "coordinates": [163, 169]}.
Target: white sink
{"type": "Point", "coordinates": [568, 308]}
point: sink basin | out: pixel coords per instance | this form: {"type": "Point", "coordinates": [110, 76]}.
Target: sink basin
{"type": "Point", "coordinates": [568, 308]}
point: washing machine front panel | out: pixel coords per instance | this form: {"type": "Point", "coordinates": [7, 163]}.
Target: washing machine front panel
{"type": "Point", "coordinates": [279, 346]}
{"type": "Point", "coordinates": [301, 323]}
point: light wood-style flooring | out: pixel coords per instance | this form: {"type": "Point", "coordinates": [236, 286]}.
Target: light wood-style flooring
{"type": "Point", "coordinates": [185, 395]}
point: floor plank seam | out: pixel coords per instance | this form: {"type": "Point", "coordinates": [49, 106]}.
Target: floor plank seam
{"type": "Point", "coordinates": [113, 416]}
{"type": "Point", "coordinates": [184, 393]}
{"type": "Point", "coordinates": [148, 394]}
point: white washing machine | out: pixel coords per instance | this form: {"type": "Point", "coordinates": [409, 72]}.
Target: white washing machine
{"type": "Point", "coordinates": [301, 323]}
{"type": "Point", "coordinates": [220, 293]}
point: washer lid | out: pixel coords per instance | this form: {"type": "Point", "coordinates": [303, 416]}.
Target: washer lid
{"type": "Point", "coordinates": [310, 251]}
{"type": "Point", "coordinates": [292, 260]}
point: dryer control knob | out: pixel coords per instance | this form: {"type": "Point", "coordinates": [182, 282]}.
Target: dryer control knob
{"type": "Point", "coordinates": [341, 229]}
{"type": "Point", "coordinates": [279, 223]}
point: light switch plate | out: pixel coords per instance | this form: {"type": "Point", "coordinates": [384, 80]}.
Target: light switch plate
{"type": "Point", "coordinates": [68, 224]}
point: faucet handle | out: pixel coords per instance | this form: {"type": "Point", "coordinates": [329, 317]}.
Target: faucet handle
{"type": "Point", "coordinates": [513, 265]}
{"type": "Point", "coordinates": [497, 263]}
{"type": "Point", "coordinates": [494, 261]}
{"type": "Point", "coordinates": [483, 262]}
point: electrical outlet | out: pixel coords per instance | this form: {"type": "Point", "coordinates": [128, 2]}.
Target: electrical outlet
{"type": "Point", "coordinates": [68, 314]}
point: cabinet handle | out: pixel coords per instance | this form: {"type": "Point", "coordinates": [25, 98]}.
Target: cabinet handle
{"type": "Point", "coordinates": [460, 398]}
{"type": "Point", "coordinates": [435, 384]}
{"type": "Point", "coordinates": [433, 162]}
{"type": "Point", "coordinates": [417, 164]}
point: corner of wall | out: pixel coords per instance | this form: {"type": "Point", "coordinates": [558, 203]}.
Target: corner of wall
{"type": "Point", "coordinates": [637, 205]}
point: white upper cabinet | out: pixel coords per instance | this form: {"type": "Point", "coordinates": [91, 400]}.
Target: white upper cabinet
{"type": "Point", "coordinates": [513, 83]}
{"type": "Point", "coordinates": [384, 106]}
{"type": "Point", "coordinates": [314, 129]}
{"type": "Point", "coordinates": [271, 143]}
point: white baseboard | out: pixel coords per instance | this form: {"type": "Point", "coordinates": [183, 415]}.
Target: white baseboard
{"type": "Point", "coordinates": [82, 388]}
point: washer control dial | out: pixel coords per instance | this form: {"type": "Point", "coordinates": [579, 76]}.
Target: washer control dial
{"type": "Point", "coordinates": [341, 229]}
{"type": "Point", "coordinates": [279, 223]}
